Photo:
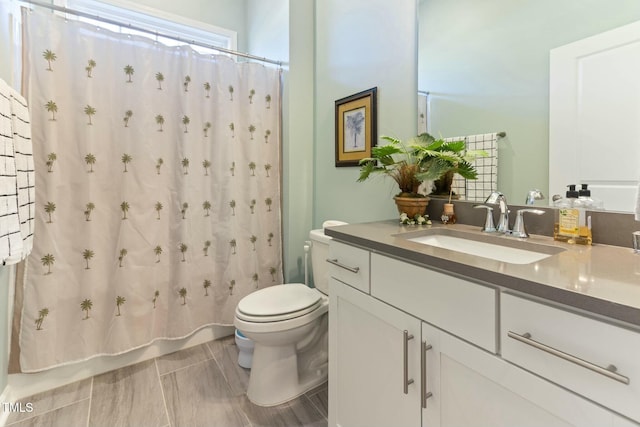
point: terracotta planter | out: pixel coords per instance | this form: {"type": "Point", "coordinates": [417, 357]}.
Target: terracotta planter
{"type": "Point", "coordinates": [412, 206]}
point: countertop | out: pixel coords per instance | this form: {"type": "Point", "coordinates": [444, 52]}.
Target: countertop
{"type": "Point", "coordinates": [602, 280]}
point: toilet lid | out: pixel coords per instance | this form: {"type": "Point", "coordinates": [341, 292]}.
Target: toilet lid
{"type": "Point", "coordinates": [280, 299]}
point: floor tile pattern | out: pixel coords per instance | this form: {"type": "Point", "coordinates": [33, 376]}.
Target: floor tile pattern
{"type": "Point", "coordinates": [199, 386]}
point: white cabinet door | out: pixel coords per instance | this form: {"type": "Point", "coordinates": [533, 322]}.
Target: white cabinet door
{"type": "Point", "coordinates": [594, 107]}
{"type": "Point", "coordinates": [480, 389]}
{"type": "Point", "coordinates": [367, 358]}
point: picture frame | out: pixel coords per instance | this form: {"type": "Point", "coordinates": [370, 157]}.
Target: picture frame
{"type": "Point", "coordinates": [356, 127]}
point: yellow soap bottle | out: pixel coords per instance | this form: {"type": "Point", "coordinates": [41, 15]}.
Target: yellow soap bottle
{"type": "Point", "coordinates": [571, 224]}
{"type": "Point", "coordinates": [583, 203]}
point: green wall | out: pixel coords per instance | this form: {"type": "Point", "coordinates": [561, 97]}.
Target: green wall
{"type": "Point", "coordinates": [338, 48]}
{"type": "Point", "coordinates": [361, 44]}
{"type": "Point", "coordinates": [486, 65]}
{"type": "Point", "coordinates": [298, 137]}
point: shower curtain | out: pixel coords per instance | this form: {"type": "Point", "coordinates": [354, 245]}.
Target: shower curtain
{"type": "Point", "coordinates": [158, 190]}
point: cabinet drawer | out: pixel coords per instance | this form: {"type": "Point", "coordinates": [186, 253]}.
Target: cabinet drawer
{"type": "Point", "coordinates": [349, 265]}
{"type": "Point", "coordinates": [593, 358]}
{"type": "Point", "coordinates": [462, 308]}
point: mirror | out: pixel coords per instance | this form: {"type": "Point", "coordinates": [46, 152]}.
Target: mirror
{"type": "Point", "coordinates": [486, 68]}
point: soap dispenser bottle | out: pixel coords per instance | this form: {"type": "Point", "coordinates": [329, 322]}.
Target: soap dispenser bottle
{"type": "Point", "coordinates": [572, 225]}
{"type": "Point", "coordinates": [585, 203]}
{"type": "Point", "coordinates": [588, 202]}
{"type": "Point", "coordinates": [567, 217]}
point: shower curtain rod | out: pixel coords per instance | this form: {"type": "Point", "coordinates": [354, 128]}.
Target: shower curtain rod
{"type": "Point", "coordinates": [155, 33]}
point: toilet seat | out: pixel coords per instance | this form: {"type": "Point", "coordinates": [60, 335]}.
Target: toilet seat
{"type": "Point", "coordinates": [279, 303]}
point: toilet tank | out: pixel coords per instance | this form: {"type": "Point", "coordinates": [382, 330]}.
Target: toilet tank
{"type": "Point", "coordinates": [319, 255]}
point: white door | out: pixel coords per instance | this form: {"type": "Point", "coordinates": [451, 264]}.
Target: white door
{"type": "Point", "coordinates": [594, 116]}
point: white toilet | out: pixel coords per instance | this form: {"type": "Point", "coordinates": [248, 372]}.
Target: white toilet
{"type": "Point", "coordinates": [288, 324]}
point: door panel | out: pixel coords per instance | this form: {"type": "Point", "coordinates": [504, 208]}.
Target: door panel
{"type": "Point", "coordinates": [594, 111]}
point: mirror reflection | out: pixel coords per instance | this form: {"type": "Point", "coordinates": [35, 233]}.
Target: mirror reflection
{"type": "Point", "coordinates": [486, 68]}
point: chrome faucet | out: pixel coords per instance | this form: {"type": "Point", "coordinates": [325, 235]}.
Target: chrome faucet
{"type": "Point", "coordinates": [533, 195]}
{"type": "Point", "coordinates": [497, 198]}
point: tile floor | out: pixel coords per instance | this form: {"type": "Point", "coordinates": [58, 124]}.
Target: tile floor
{"type": "Point", "coordinates": [199, 386]}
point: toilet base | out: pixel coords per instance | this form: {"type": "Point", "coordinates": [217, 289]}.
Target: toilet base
{"type": "Point", "coordinates": [245, 350]}
{"type": "Point", "coordinates": [274, 376]}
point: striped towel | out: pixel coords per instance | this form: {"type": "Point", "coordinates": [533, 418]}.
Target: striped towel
{"type": "Point", "coordinates": [10, 238]}
{"type": "Point", "coordinates": [24, 169]}
{"type": "Point", "coordinates": [17, 190]}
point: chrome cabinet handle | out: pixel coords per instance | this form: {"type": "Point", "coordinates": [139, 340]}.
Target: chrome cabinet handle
{"type": "Point", "coordinates": [405, 355]}
{"type": "Point", "coordinates": [346, 267]}
{"type": "Point", "coordinates": [609, 371]}
{"type": "Point", "coordinates": [424, 394]}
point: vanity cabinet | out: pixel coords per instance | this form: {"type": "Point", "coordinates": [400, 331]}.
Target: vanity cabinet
{"type": "Point", "coordinates": [417, 347]}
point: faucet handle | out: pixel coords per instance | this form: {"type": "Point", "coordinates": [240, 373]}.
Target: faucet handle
{"type": "Point", "coordinates": [489, 227]}
{"type": "Point", "coordinates": [519, 229]}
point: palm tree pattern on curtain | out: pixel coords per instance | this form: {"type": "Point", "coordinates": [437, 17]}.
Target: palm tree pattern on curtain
{"type": "Point", "coordinates": [145, 231]}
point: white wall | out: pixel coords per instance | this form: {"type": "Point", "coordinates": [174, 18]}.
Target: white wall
{"type": "Point", "coordinates": [361, 44]}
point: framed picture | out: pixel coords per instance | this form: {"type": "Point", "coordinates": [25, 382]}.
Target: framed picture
{"type": "Point", "coordinates": [356, 127]}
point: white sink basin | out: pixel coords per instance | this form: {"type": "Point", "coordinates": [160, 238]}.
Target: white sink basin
{"type": "Point", "coordinates": [499, 252]}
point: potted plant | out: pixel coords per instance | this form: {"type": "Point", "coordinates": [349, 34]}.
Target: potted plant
{"type": "Point", "coordinates": [422, 158]}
